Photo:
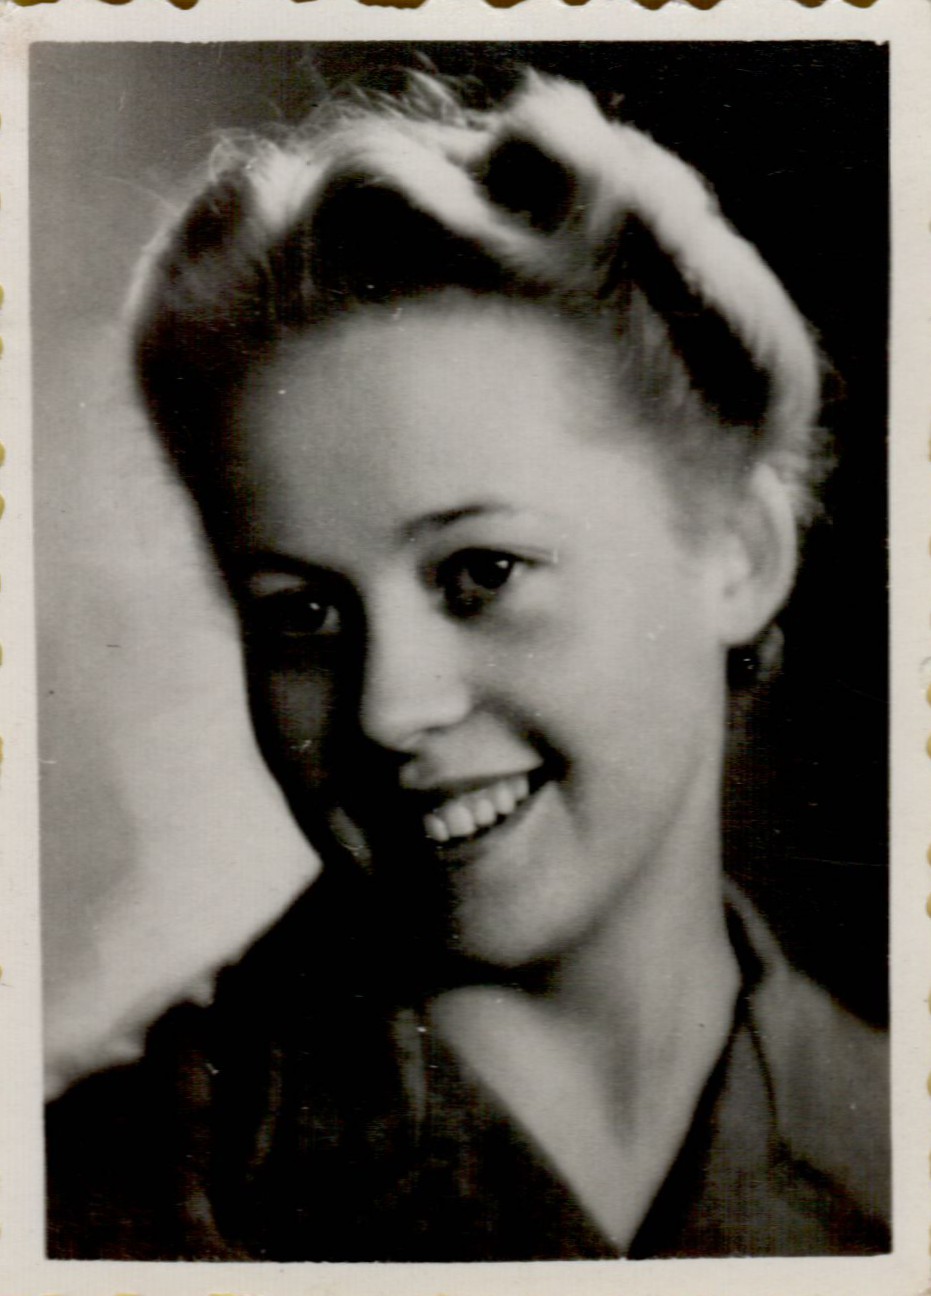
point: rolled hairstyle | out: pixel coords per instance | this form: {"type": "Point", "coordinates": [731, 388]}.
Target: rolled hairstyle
{"type": "Point", "coordinates": [379, 200]}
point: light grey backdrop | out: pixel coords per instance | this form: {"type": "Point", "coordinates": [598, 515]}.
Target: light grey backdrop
{"type": "Point", "coordinates": [163, 851]}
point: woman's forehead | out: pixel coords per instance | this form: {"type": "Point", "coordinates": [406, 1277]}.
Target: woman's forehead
{"type": "Point", "coordinates": [453, 327]}
{"type": "Point", "coordinates": [427, 376]}
{"type": "Point", "coordinates": [404, 414]}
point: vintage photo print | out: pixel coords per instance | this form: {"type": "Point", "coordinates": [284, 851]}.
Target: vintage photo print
{"type": "Point", "coordinates": [466, 538]}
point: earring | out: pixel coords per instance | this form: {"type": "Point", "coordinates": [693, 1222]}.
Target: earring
{"type": "Point", "coordinates": [757, 663]}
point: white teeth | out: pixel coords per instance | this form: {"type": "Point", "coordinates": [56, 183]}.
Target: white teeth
{"type": "Point", "coordinates": [503, 798]}
{"type": "Point", "coordinates": [463, 816]}
{"type": "Point", "coordinates": [484, 811]}
{"type": "Point", "coordinates": [435, 829]}
{"type": "Point", "coordinates": [459, 819]}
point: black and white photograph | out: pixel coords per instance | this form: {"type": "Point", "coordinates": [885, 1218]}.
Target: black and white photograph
{"type": "Point", "coordinates": [461, 542]}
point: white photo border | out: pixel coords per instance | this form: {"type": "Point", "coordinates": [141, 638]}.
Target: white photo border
{"type": "Point", "coordinates": [906, 26]}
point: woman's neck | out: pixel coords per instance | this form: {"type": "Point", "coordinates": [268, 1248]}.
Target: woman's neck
{"type": "Point", "coordinates": [602, 1062]}
{"type": "Point", "coordinates": [656, 962]}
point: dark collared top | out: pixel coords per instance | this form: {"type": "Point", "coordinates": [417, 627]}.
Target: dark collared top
{"type": "Point", "coordinates": [304, 1117]}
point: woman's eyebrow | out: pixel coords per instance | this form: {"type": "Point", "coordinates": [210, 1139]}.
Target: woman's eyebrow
{"type": "Point", "coordinates": [242, 568]}
{"type": "Point", "coordinates": [449, 517]}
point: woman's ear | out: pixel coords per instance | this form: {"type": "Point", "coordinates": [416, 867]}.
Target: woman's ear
{"type": "Point", "coordinates": [758, 558]}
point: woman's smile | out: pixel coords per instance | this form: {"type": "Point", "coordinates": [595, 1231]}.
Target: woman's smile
{"type": "Point", "coordinates": [460, 818]}
{"type": "Point", "coordinates": [472, 626]}
{"type": "Point", "coordinates": [452, 824]}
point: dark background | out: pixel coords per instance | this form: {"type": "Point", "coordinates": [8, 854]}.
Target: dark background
{"type": "Point", "coordinates": [794, 138]}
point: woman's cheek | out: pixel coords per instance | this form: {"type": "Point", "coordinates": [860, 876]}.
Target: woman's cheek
{"type": "Point", "coordinates": [293, 713]}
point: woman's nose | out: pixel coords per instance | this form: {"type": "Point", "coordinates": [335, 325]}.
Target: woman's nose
{"type": "Point", "coordinates": [414, 681]}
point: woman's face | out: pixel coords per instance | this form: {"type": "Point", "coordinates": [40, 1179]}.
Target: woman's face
{"type": "Point", "coordinates": [478, 648]}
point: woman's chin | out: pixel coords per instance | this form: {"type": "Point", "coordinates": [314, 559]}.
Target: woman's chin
{"type": "Point", "coordinates": [515, 894]}
{"type": "Point", "coordinates": [487, 890]}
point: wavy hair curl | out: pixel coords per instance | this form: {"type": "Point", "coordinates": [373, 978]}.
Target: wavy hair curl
{"type": "Point", "coordinates": [542, 199]}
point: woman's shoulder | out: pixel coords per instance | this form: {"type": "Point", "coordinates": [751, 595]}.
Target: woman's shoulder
{"type": "Point", "coordinates": [118, 1145]}
{"type": "Point", "coordinates": [129, 1149]}
{"type": "Point", "coordinates": [828, 1074]}
{"type": "Point", "coordinates": [120, 1142]}
{"type": "Point", "coordinates": [788, 1153]}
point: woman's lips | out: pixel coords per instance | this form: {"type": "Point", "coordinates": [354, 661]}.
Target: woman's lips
{"type": "Point", "coordinates": [446, 817]}
{"type": "Point", "coordinates": [462, 817]}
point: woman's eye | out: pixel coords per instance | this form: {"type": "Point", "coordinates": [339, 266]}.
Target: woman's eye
{"type": "Point", "coordinates": [295, 616]}
{"type": "Point", "coordinates": [472, 579]}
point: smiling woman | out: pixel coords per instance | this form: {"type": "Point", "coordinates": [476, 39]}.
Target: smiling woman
{"type": "Point", "coordinates": [454, 647]}
{"type": "Point", "coordinates": [502, 438]}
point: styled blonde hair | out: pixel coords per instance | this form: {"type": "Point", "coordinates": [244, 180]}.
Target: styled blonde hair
{"type": "Point", "coordinates": [376, 199]}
